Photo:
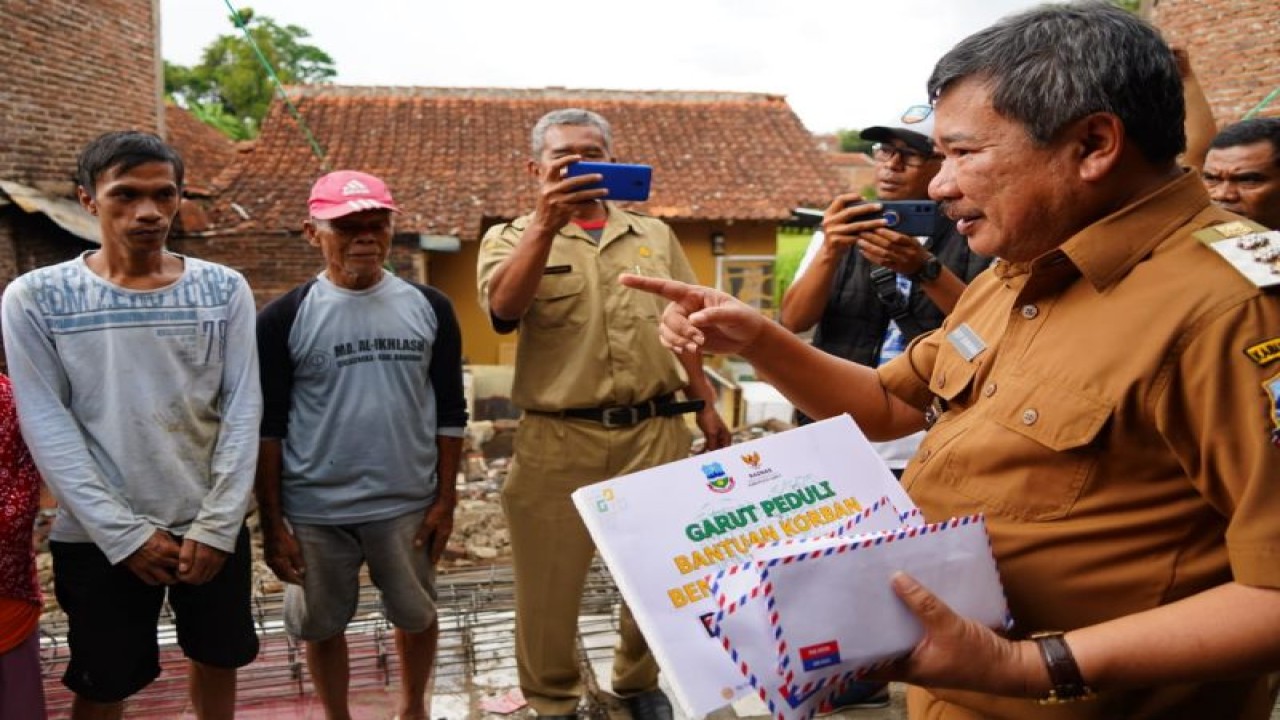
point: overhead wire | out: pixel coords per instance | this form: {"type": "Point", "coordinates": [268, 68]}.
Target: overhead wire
{"type": "Point", "coordinates": [284, 96]}
{"type": "Point", "coordinates": [1265, 102]}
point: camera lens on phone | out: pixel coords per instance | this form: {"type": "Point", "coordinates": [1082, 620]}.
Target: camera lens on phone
{"type": "Point", "coordinates": [891, 217]}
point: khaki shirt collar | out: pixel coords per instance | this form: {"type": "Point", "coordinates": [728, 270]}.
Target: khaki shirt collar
{"type": "Point", "coordinates": [1107, 250]}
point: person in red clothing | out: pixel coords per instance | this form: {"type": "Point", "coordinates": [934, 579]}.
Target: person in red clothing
{"type": "Point", "coordinates": [20, 603]}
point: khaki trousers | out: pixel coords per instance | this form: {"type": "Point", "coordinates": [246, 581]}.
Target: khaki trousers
{"type": "Point", "coordinates": [552, 551]}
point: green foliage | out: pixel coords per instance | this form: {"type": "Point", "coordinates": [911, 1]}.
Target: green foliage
{"type": "Point", "coordinates": [217, 117]}
{"type": "Point", "coordinates": [232, 88]}
{"type": "Point", "coordinates": [1131, 5]}
{"type": "Point", "coordinates": [790, 252]}
{"type": "Point", "coordinates": [851, 141]}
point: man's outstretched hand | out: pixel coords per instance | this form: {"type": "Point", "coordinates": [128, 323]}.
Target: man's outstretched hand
{"type": "Point", "coordinates": [699, 317]}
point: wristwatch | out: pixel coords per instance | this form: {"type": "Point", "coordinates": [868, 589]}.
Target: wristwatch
{"type": "Point", "coordinates": [929, 271]}
{"type": "Point", "coordinates": [1068, 683]}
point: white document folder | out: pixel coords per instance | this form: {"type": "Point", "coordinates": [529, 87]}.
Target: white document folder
{"type": "Point", "coordinates": [662, 531]}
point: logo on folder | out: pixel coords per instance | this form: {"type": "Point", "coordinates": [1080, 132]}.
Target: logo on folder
{"type": "Point", "coordinates": [757, 471]}
{"type": "Point", "coordinates": [717, 479]}
{"type": "Point", "coordinates": [815, 657]}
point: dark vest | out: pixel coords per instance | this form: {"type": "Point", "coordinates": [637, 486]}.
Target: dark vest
{"type": "Point", "coordinates": [854, 320]}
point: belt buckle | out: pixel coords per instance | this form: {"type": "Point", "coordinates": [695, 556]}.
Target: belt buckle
{"type": "Point", "coordinates": [626, 416]}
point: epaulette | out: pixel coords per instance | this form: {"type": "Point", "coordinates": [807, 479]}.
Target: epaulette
{"type": "Point", "coordinates": [1253, 250]}
{"type": "Point", "coordinates": [1226, 230]}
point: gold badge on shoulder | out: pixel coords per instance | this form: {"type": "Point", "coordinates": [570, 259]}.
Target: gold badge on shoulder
{"type": "Point", "coordinates": [1256, 255]}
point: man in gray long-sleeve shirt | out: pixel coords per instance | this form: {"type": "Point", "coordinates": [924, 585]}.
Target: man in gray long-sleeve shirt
{"type": "Point", "coordinates": [136, 377]}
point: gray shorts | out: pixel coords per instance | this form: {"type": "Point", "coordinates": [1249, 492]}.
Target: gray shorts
{"type": "Point", "coordinates": [326, 601]}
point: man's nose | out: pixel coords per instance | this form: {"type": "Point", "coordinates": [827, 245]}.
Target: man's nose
{"type": "Point", "coordinates": [943, 185]}
{"type": "Point", "coordinates": [148, 209]}
{"type": "Point", "coordinates": [1224, 191]}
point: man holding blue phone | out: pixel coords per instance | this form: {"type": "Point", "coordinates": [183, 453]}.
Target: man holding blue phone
{"type": "Point", "coordinates": [869, 304]}
{"type": "Point", "coordinates": [599, 394]}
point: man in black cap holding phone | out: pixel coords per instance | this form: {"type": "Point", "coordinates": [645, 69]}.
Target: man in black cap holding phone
{"type": "Point", "coordinates": [869, 303]}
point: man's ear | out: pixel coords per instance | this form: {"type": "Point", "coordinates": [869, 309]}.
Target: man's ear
{"type": "Point", "coordinates": [309, 232]}
{"type": "Point", "coordinates": [1100, 140]}
{"type": "Point", "coordinates": [532, 167]}
{"type": "Point", "coordinates": [86, 200]}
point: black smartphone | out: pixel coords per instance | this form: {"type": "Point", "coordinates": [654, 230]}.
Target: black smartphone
{"type": "Point", "coordinates": [624, 182]}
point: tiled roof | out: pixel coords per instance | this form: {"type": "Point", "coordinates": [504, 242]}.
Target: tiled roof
{"type": "Point", "coordinates": [205, 152]}
{"type": "Point", "coordinates": [851, 159]}
{"type": "Point", "coordinates": [455, 157]}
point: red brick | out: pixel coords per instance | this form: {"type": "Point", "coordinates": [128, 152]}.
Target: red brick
{"type": "Point", "coordinates": [1234, 47]}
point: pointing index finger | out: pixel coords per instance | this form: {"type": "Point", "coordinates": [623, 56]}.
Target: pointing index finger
{"type": "Point", "coordinates": [670, 289]}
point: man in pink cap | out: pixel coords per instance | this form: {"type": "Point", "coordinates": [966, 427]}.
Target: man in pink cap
{"type": "Point", "coordinates": [361, 436]}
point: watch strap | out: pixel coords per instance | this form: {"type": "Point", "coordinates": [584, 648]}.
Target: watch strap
{"type": "Point", "coordinates": [1064, 673]}
{"type": "Point", "coordinates": [929, 270]}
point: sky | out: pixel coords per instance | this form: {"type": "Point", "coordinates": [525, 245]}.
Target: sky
{"type": "Point", "coordinates": [840, 63]}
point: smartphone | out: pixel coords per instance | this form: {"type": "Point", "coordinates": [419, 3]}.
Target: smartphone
{"type": "Point", "coordinates": [624, 182]}
{"type": "Point", "coordinates": [909, 217]}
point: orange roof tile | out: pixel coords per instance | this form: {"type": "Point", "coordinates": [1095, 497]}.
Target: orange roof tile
{"type": "Point", "coordinates": [205, 151]}
{"type": "Point", "coordinates": [455, 157]}
{"type": "Point", "coordinates": [851, 159]}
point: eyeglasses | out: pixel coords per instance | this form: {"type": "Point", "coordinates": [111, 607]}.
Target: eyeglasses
{"type": "Point", "coordinates": [885, 152]}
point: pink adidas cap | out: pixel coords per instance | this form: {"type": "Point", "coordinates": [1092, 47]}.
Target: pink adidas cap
{"type": "Point", "coordinates": [347, 191]}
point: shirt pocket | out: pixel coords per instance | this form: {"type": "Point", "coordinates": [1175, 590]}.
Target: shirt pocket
{"type": "Point", "coordinates": [558, 302]}
{"type": "Point", "coordinates": [1032, 450]}
{"type": "Point", "coordinates": [952, 375]}
{"type": "Point", "coordinates": [648, 306]}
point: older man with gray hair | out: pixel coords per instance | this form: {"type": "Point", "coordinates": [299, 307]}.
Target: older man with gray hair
{"type": "Point", "coordinates": [1116, 423]}
{"type": "Point", "coordinates": [598, 392]}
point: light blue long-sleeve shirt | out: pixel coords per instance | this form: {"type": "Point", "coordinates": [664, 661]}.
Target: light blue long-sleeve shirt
{"type": "Point", "coordinates": [141, 408]}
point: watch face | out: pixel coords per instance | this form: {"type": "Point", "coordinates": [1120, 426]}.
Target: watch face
{"type": "Point", "coordinates": [931, 269]}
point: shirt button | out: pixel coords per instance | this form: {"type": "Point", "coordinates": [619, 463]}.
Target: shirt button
{"type": "Point", "coordinates": [989, 390]}
{"type": "Point", "coordinates": [1030, 416]}
{"type": "Point", "coordinates": [923, 455]}
{"type": "Point", "coordinates": [1030, 311]}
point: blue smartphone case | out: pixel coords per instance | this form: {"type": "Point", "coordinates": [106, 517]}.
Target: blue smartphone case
{"type": "Point", "coordinates": [624, 182]}
{"type": "Point", "coordinates": [910, 217]}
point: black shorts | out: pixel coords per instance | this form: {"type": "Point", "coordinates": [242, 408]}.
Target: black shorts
{"type": "Point", "coordinates": [112, 617]}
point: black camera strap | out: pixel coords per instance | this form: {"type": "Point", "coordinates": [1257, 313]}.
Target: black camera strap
{"type": "Point", "coordinates": [885, 283]}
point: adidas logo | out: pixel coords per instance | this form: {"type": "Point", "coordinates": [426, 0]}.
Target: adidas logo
{"type": "Point", "coordinates": [355, 187]}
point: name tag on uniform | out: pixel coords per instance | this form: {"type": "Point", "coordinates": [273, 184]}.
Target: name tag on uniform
{"type": "Point", "coordinates": [556, 269]}
{"type": "Point", "coordinates": [966, 342]}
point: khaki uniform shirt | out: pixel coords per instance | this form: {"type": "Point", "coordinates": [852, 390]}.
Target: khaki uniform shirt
{"type": "Point", "coordinates": [587, 341]}
{"type": "Point", "coordinates": [1114, 431]}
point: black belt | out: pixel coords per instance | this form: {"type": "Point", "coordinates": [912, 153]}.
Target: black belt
{"type": "Point", "coordinates": [628, 415]}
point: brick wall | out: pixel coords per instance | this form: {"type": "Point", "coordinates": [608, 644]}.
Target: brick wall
{"type": "Point", "coordinates": [1235, 50]}
{"type": "Point", "coordinates": [274, 263]}
{"type": "Point", "coordinates": [73, 69]}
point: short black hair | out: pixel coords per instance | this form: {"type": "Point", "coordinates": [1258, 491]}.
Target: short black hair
{"type": "Point", "coordinates": [126, 149]}
{"type": "Point", "coordinates": [1248, 132]}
